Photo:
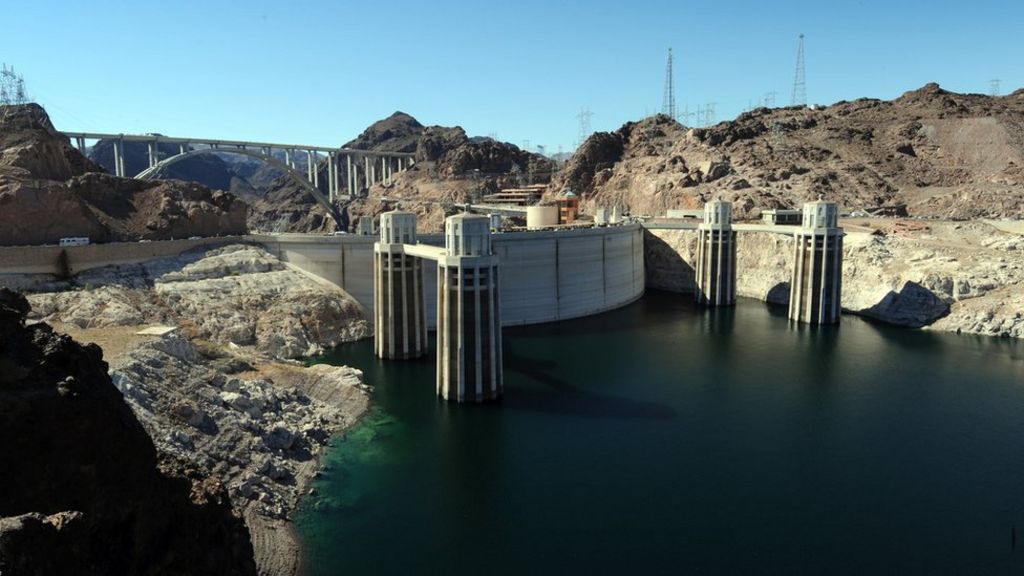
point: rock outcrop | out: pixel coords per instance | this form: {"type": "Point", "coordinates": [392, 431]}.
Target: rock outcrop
{"type": "Point", "coordinates": [929, 153]}
{"type": "Point", "coordinates": [49, 191]}
{"type": "Point", "coordinates": [253, 434]}
{"type": "Point", "coordinates": [84, 490]}
{"type": "Point", "coordinates": [236, 294]}
{"type": "Point", "coordinates": [450, 167]}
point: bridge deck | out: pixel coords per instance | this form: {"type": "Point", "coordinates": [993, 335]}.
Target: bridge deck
{"type": "Point", "coordinates": [214, 142]}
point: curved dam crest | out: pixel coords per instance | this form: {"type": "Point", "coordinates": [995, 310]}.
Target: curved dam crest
{"type": "Point", "coordinates": [545, 276]}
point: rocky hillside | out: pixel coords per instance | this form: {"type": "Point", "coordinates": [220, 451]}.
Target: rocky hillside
{"type": "Point", "coordinates": [49, 191]}
{"type": "Point", "coordinates": [929, 153]}
{"type": "Point", "coordinates": [217, 392]}
{"type": "Point", "coordinates": [450, 167]}
{"type": "Point", "coordinates": [84, 490]}
{"type": "Point", "coordinates": [277, 311]}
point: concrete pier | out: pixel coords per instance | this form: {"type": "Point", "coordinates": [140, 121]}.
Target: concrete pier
{"type": "Point", "coordinates": [469, 367]}
{"type": "Point", "coordinates": [716, 256]}
{"type": "Point", "coordinates": [400, 326]}
{"type": "Point", "coordinates": [816, 287]}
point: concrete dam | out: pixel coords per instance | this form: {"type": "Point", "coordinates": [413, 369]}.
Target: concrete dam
{"type": "Point", "coordinates": [545, 275]}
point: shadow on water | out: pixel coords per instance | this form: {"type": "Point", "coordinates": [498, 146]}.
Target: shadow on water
{"type": "Point", "coordinates": [656, 308]}
{"type": "Point", "coordinates": [562, 397]}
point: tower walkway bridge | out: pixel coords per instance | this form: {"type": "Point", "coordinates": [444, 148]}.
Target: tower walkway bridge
{"type": "Point", "coordinates": [362, 168]}
{"type": "Point", "coordinates": [693, 224]}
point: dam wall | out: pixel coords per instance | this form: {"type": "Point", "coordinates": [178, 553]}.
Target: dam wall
{"type": "Point", "coordinates": [70, 260]}
{"type": "Point", "coordinates": [764, 262]}
{"type": "Point", "coordinates": [545, 276]}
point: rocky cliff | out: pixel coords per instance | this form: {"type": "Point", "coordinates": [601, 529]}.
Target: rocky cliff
{"type": "Point", "coordinates": [49, 191]}
{"type": "Point", "coordinates": [84, 490]}
{"type": "Point", "coordinates": [214, 392]}
{"type": "Point", "coordinates": [929, 153]}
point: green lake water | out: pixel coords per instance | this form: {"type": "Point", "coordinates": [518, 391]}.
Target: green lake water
{"type": "Point", "coordinates": [663, 438]}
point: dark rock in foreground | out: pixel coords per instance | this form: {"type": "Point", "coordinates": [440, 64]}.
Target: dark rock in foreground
{"type": "Point", "coordinates": [83, 489]}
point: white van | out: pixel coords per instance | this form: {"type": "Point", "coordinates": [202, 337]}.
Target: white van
{"type": "Point", "coordinates": [74, 241]}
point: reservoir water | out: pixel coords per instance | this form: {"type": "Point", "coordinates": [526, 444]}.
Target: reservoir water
{"type": "Point", "coordinates": [666, 439]}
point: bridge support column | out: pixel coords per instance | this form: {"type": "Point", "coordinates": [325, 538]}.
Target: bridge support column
{"type": "Point", "coordinates": [367, 173]}
{"type": "Point", "coordinates": [716, 256]}
{"type": "Point", "coordinates": [469, 365]}
{"type": "Point", "coordinates": [331, 192]}
{"type": "Point", "coordinates": [182, 148]}
{"type": "Point", "coordinates": [119, 157]}
{"type": "Point", "coordinates": [151, 150]}
{"type": "Point", "coordinates": [816, 288]}
{"type": "Point", "coordinates": [400, 328]}
{"type": "Point", "coordinates": [80, 142]}
{"type": "Point", "coordinates": [335, 175]}
{"type": "Point", "coordinates": [350, 177]}
{"type": "Point", "coordinates": [309, 166]}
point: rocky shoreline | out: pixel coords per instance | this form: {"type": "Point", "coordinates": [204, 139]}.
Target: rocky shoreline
{"type": "Point", "coordinates": [216, 385]}
{"type": "Point", "coordinates": [962, 277]}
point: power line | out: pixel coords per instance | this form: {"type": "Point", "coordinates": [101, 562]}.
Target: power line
{"type": "Point", "coordinates": [799, 81]}
{"type": "Point", "coordinates": [993, 87]}
{"type": "Point", "coordinates": [668, 103]}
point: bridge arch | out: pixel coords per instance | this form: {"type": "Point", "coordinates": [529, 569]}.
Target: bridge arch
{"type": "Point", "coordinates": [151, 173]}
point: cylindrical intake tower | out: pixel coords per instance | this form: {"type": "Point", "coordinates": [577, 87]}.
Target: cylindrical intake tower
{"type": "Point", "coordinates": [400, 330]}
{"type": "Point", "coordinates": [816, 288]}
{"type": "Point", "coordinates": [716, 256]}
{"type": "Point", "coordinates": [469, 365]}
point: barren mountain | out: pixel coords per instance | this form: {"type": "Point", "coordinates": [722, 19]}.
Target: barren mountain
{"type": "Point", "coordinates": [928, 153]}
{"type": "Point", "coordinates": [450, 167]}
{"type": "Point", "coordinates": [48, 190]}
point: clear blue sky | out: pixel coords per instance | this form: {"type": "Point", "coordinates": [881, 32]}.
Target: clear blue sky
{"type": "Point", "coordinates": [318, 72]}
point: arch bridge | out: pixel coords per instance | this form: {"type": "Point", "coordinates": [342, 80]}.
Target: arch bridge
{"type": "Point", "coordinates": [362, 167]}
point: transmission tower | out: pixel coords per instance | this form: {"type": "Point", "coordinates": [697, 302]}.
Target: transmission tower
{"type": "Point", "coordinates": [686, 115]}
{"type": "Point", "coordinates": [668, 103]}
{"type": "Point", "coordinates": [799, 82]}
{"type": "Point", "coordinates": [584, 118]}
{"type": "Point", "coordinates": [709, 113]}
{"type": "Point", "coordinates": [12, 87]}
{"type": "Point", "coordinates": [993, 87]}
{"type": "Point", "coordinates": [769, 99]}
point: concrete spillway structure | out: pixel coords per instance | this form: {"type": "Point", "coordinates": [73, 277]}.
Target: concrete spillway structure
{"type": "Point", "coordinates": [468, 313]}
{"type": "Point", "coordinates": [716, 256]}
{"type": "Point", "coordinates": [816, 287]}
{"type": "Point", "coordinates": [400, 327]}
